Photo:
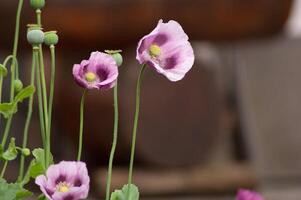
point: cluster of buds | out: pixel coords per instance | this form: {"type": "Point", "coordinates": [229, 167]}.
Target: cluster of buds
{"type": "Point", "coordinates": [36, 36]}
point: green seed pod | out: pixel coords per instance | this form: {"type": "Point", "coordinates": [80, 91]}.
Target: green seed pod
{"type": "Point", "coordinates": [51, 38]}
{"type": "Point", "coordinates": [118, 58]}
{"type": "Point", "coordinates": [18, 85]}
{"type": "Point", "coordinates": [116, 55]}
{"type": "Point", "coordinates": [37, 4]}
{"type": "Point", "coordinates": [35, 37]}
{"type": "Point", "coordinates": [25, 152]}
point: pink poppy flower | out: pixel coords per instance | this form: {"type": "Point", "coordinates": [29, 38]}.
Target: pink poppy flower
{"type": "Point", "coordinates": [248, 195]}
{"type": "Point", "coordinates": [99, 72]}
{"type": "Point", "coordinates": [167, 50]}
{"type": "Point", "coordinates": [68, 180]}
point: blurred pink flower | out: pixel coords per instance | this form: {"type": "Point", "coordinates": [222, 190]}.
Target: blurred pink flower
{"type": "Point", "coordinates": [248, 195]}
{"type": "Point", "coordinates": [167, 50]}
{"type": "Point", "coordinates": [68, 180]}
{"type": "Point", "coordinates": [99, 72]}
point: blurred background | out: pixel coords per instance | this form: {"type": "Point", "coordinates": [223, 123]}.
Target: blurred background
{"type": "Point", "coordinates": [232, 122]}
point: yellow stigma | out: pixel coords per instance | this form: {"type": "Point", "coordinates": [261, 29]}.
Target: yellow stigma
{"type": "Point", "coordinates": [90, 77]}
{"type": "Point", "coordinates": [154, 50]}
{"type": "Point", "coordinates": [63, 187]}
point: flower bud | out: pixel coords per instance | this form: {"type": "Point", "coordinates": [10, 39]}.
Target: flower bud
{"type": "Point", "coordinates": [37, 4]}
{"type": "Point", "coordinates": [25, 152]}
{"type": "Point", "coordinates": [116, 55]}
{"type": "Point", "coordinates": [35, 37]}
{"type": "Point", "coordinates": [51, 38]}
{"type": "Point", "coordinates": [18, 85]}
{"type": "Point", "coordinates": [118, 58]}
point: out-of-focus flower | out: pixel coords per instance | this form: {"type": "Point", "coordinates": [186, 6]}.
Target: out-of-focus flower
{"type": "Point", "coordinates": [66, 180]}
{"type": "Point", "coordinates": [167, 50]}
{"type": "Point", "coordinates": [248, 195]}
{"type": "Point", "coordinates": [99, 72]}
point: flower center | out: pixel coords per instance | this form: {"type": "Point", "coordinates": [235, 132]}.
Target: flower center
{"type": "Point", "coordinates": [154, 50]}
{"type": "Point", "coordinates": [90, 77]}
{"type": "Point", "coordinates": [63, 187]}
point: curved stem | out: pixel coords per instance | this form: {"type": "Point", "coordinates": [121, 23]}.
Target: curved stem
{"type": "Point", "coordinates": [15, 48]}
{"type": "Point", "coordinates": [4, 169]}
{"type": "Point", "coordinates": [51, 94]}
{"type": "Point", "coordinates": [40, 101]}
{"type": "Point", "coordinates": [134, 134]}
{"type": "Point", "coordinates": [81, 127]}
{"type": "Point", "coordinates": [28, 119]}
{"type": "Point", "coordinates": [115, 136]}
{"type": "Point", "coordinates": [12, 69]}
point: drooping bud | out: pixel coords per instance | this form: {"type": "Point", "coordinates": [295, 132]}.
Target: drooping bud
{"type": "Point", "coordinates": [37, 4]}
{"type": "Point", "coordinates": [25, 152]}
{"type": "Point", "coordinates": [51, 38]}
{"type": "Point", "coordinates": [116, 55]}
{"type": "Point", "coordinates": [18, 85]}
{"type": "Point", "coordinates": [35, 36]}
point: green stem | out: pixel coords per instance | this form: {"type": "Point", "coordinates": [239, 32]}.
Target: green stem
{"type": "Point", "coordinates": [4, 169]}
{"type": "Point", "coordinates": [115, 136]}
{"type": "Point", "coordinates": [28, 118]}
{"type": "Point", "coordinates": [134, 134]}
{"type": "Point", "coordinates": [12, 69]}
{"type": "Point", "coordinates": [40, 101]}
{"type": "Point", "coordinates": [51, 94]}
{"type": "Point", "coordinates": [44, 91]}
{"type": "Point", "coordinates": [15, 48]}
{"type": "Point", "coordinates": [81, 127]}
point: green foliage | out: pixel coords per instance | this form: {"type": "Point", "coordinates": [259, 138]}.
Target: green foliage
{"type": "Point", "coordinates": [12, 191]}
{"type": "Point", "coordinates": [122, 194]}
{"type": "Point", "coordinates": [11, 152]}
{"type": "Point", "coordinates": [8, 109]}
{"type": "Point", "coordinates": [3, 70]}
{"type": "Point", "coordinates": [38, 165]}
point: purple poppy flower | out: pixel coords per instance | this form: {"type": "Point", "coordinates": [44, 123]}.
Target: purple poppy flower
{"type": "Point", "coordinates": [99, 72]}
{"type": "Point", "coordinates": [248, 195]}
{"type": "Point", "coordinates": [167, 50]}
{"type": "Point", "coordinates": [68, 180]}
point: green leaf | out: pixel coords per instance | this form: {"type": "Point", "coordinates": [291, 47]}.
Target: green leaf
{"type": "Point", "coordinates": [24, 93]}
{"type": "Point", "coordinates": [42, 197]}
{"type": "Point", "coordinates": [12, 191]}
{"type": "Point", "coordinates": [122, 194]}
{"type": "Point", "coordinates": [38, 164]}
{"type": "Point", "coordinates": [11, 153]}
{"type": "Point", "coordinates": [3, 70]}
{"type": "Point", "coordinates": [23, 193]}
{"type": "Point", "coordinates": [7, 109]}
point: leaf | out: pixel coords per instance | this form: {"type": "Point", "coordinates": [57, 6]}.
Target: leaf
{"type": "Point", "coordinates": [23, 193]}
{"type": "Point", "coordinates": [38, 164]}
{"type": "Point", "coordinates": [11, 153]}
{"type": "Point", "coordinates": [3, 70]}
{"type": "Point", "coordinates": [122, 194]}
{"type": "Point", "coordinates": [12, 191]}
{"type": "Point", "coordinates": [8, 109]}
{"type": "Point", "coordinates": [24, 93]}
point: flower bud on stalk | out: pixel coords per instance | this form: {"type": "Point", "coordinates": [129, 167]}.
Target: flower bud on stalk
{"type": "Point", "coordinates": [51, 38]}
{"type": "Point", "coordinates": [25, 152]}
{"type": "Point", "coordinates": [18, 85]}
{"type": "Point", "coordinates": [116, 55]}
{"type": "Point", "coordinates": [37, 4]}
